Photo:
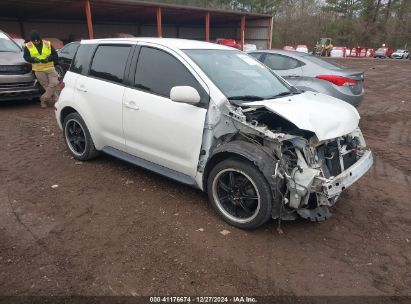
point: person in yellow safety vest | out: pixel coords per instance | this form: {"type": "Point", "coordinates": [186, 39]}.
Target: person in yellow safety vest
{"type": "Point", "coordinates": [41, 54]}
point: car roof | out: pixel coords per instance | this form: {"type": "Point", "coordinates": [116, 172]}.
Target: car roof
{"type": "Point", "coordinates": [177, 43]}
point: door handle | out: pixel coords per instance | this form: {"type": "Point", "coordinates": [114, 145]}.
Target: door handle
{"type": "Point", "coordinates": [81, 88]}
{"type": "Point", "coordinates": [292, 76]}
{"type": "Point", "coordinates": [131, 105]}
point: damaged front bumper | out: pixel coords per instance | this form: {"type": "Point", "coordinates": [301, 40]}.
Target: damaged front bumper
{"type": "Point", "coordinates": [334, 186]}
{"type": "Point", "coordinates": [311, 193]}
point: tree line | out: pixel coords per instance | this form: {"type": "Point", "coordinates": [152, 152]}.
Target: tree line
{"type": "Point", "coordinates": [351, 23]}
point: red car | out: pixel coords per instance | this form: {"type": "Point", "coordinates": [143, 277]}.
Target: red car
{"type": "Point", "coordinates": [383, 52]}
{"type": "Point", "coordinates": [228, 42]}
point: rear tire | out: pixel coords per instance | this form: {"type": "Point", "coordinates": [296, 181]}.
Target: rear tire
{"type": "Point", "coordinates": [78, 138]}
{"type": "Point", "coordinates": [240, 194]}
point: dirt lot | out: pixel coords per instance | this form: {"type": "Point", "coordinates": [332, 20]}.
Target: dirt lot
{"type": "Point", "coordinates": [110, 228]}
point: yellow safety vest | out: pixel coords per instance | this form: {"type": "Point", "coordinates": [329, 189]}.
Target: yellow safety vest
{"type": "Point", "coordinates": [46, 52]}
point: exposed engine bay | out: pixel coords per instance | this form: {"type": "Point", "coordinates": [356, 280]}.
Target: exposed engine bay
{"type": "Point", "coordinates": [307, 175]}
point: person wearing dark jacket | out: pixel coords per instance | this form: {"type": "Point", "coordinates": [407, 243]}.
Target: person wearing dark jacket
{"type": "Point", "coordinates": [41, 54]}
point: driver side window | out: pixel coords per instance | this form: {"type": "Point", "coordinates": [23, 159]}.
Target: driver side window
{"type": "Point", "coordinates": [158, 72]}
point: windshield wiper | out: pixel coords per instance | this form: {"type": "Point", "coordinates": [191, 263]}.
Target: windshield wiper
{"type": "Point", "coordinates": [282, 94]}
{"type": "Point", "coordinates": [246, 98]}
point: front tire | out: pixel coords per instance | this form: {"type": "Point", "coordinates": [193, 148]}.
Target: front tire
{"type": "Point", "coordinates": [240, 194]}
{"type": "Point", "coordinates": [78, 138]}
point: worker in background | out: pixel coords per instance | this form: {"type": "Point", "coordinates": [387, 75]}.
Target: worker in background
{"type": "Point", "coordinates": [41, 54]}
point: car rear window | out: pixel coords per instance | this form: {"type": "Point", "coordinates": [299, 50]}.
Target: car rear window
{"type": "Point", "coordinates": [81, 61]}
{"type": "Point", "coordinates": [281, 62]}
{"type": "Point", "coordinates": [324, 64]}
{"type": "Point", "coordinates": [109, 62]}
{"type": "Point", "coordinates": [257, 56]}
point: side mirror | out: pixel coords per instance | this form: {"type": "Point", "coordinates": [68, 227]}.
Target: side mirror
{"type": "Point", "coordinates": [185, 94]}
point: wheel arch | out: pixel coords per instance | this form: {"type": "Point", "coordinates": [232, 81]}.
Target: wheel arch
{"type": "Point", "coordinates": [68, 109]}
{"type": "Point", "coordinates": [65, 112]}
{"type": "Point", "coordinates": [255, 154]}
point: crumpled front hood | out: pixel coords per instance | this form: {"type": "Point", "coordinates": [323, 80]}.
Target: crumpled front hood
{"type": "Point", "coordinates": [326, 116]}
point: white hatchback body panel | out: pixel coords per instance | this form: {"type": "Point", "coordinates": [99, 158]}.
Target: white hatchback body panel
{"type": "Point", "coordinates": [184, 141]}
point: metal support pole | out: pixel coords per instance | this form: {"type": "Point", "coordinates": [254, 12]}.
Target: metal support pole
{"type": "Point", "coordinates": [89, 20]}
{"type": "Point", "coordinates": [270, 33]}
{"type": "Point", "coordinates": [242, 32]}
{"type": "Point", "coordinates": [207, 27]}
{"type": "Point", "coordinates": [159, 26]}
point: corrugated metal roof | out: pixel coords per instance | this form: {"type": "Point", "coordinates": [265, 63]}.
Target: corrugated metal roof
{"type": "Point", "coordinates": [114, 10]}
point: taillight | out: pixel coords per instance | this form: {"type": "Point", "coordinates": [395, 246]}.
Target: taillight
{"type": "Point", "coordinates": [337, 80]}
{"type": "Point", "coordinates": [62, 85]}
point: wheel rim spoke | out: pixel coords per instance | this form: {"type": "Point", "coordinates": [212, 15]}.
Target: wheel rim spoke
{"type": "Point", "coordinates": [223, 186]}
{"type": "Point", "coordinates": [244, 206]}
{"type": "Point", "coordinates": [231, 179]}
{"type": "Point", "coordinates": [236, 195]}
{"type": "Point", "coordinates": [76, 137]}
{"type": "Point", "coordinates": [249, 197]}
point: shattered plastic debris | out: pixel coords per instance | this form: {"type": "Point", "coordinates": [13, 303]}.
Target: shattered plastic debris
{"type": "Point", "coordinates": [55, 186]}
{"type": "Point", "coordinates": [225, 232]}
{"type": "Point", "coordinates": [200, 229]}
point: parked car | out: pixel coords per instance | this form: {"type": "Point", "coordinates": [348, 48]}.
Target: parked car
{"type": "Point", "coordinates": [302, 48]}
{"type": "Point", "coordinates": [66, 55]}
{"type": "Point", "coordinates": [228, 42]}
{"type": "Point", "coordinates": [383, 52]}
{"type": "Point", "coordinates": [288, 48]}
{"type": "Point", "coordinates": [338, 51]}
{"type": "Point", "coordinates": [248, 47]}
{"type": "Point", "coordinates": [17, 39]}
{"type": "Point", "coordinates": [55, 42]}
{"type": "Point", "coordinates": [311, 73]}
{"type": "Point", "coordinates": [400, 54]}
{"type": "Point", "coordinates": [20, 42]}
{"type": "Point", "coordinates": [215, 118]}
{"type": "Point", "coordinates": [17, 81]}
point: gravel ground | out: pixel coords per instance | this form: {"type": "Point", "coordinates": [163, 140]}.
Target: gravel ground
{"type": "Point", "coordinates": [110, 228]}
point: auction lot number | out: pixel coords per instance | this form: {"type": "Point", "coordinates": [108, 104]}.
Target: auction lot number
{"type": "Point", "coordinates": [202, 300]}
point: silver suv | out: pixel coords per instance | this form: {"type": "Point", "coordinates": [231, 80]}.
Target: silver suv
{"type": "Point", "coordinates": [17, 81]}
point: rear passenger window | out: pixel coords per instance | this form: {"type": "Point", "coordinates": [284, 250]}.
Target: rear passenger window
{"type": "Point", "coordinates": [158, 72]}
{"type": "Point", "coordinates": [82, 59]}
{"type": "Point", "coordinates": [280, 62]}
{"type": "Point", "coordinates": [109, 62]}
{"type": "Point", "coordinates": [257, 56]}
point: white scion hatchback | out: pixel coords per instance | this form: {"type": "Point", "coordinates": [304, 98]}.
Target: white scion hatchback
{"type": "Point", "coordinates": [214, 118]}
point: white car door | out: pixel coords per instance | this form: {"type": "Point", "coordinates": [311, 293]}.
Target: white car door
{"type": "Point", "coordinates": [156, 128]}
{"type": "Point", "coordinates": [101, 93]}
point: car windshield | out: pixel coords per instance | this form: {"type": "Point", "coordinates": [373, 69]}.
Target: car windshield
{"type": "Point", "coordinates": [400, 51]}
{"type": "Point", "coordinates": [7, 45]}
{"type": "Point", "coordinates": [381, 50]}
{"type": "Point", "coordinates": [323, 63]}
{"type": "Point", "coordinates": [239, 76]}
